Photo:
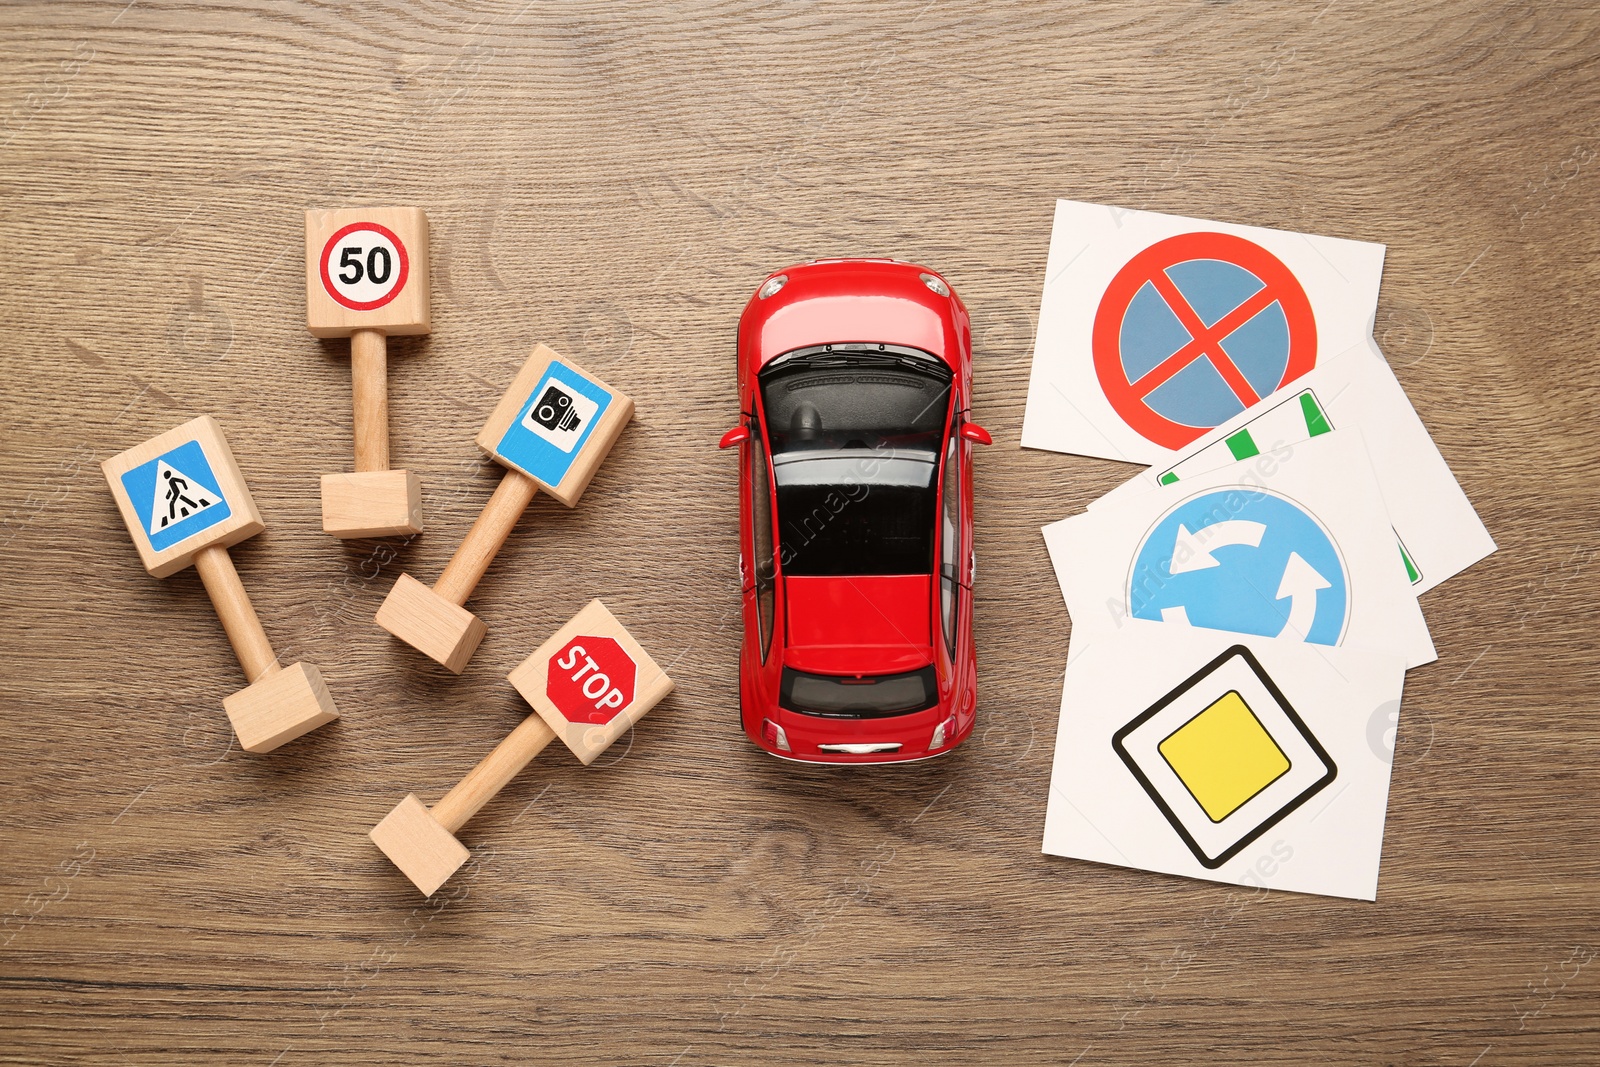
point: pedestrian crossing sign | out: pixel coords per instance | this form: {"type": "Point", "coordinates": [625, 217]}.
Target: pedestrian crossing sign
{"type": "Point", "coordinates": [176, 495]}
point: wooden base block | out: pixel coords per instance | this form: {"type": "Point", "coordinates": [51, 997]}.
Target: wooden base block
{"type": "Point", "coordinates": [280, 707]}
{"type": "Point", "coordinates": [412, 838]}
{"type": "Point", "coordinates": [371, 504]}
{"type": "Point", "coordinates": [445, 632]}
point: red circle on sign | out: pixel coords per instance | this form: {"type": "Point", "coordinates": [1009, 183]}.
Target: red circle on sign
{"type": "Point", "coordinates": [402, 274]}
{"type": "Point", "coordinates": [1279, 286]}
{"type": "Point", "coordinates": [591, 680]}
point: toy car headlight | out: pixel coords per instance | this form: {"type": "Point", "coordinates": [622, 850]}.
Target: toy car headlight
{"type": "Point", "coordinates": [936, 284]}
{"type": "Point", "coordinates": [772, 285]}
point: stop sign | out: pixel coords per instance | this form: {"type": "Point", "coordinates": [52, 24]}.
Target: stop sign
{"type": "Point", "coordinates": [591, 680]}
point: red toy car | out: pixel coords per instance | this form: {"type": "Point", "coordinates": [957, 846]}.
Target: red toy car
{"type": "Point", "coordinates": [855, 517]}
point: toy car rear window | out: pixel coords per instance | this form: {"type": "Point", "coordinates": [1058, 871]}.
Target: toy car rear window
{"type": "Point", "coordinates": [855, 439]}
{"type": "Point", "coordinates": [858, 698]}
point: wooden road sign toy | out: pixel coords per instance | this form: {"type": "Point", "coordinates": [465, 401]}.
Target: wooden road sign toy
{"type": "Point", "coordinates": [367, 279]}
{"type": "Point", "coordinates": [550, 430]}
{"type": "Point", "coordinates": [588, 684]}
{"type": "Point", "coordinates": [185, 502]}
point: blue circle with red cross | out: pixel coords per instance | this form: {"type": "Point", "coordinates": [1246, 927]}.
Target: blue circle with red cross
{"type": "Point", "coordinates": [1196, 328]}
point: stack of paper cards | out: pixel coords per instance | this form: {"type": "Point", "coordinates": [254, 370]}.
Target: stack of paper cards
{"type": "Point", "coordinates": [1244, 610]}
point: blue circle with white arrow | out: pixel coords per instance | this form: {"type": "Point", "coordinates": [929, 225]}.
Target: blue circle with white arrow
{"type": "Point", "coordinates": [1244, 560]}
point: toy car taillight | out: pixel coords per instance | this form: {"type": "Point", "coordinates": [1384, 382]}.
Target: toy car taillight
{"type": "Point", "coordinates": [944, 730]}
{"type": "Point", "coordinates": [773, 734]}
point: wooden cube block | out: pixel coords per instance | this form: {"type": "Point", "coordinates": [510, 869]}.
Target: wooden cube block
{"type": "Point", "coordinates": [280, 707]}
{"type": "Point", "coordinates": [367, 269]}
{"type": "Point", "coordinates": [555, 424]}
{"type": "Point", "coordinates": [180, 492]}
{"type": "Point", "coordinates": [371, 504]}
{"type": "Point", "coordinates": [591, 681]}
{"type": "Point", "coordinates": [446, 632]}
{"type": "Point", "coordinates": [425, 852]}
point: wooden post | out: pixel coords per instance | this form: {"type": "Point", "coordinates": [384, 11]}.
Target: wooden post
{"type": "Point", "coordinates": [369, 376]}
{"type": "Point", "coordinates": [185, 501]}
{"type": "Point", "coordinates": [492, 773]}
{"type": "Point", "coordinates": [367, 279]}
{"type": "Point", "coordinates": [551, 430]}
{"type": "Point", "coordinates": [495, 523]}
{"type": "Point", "coordinates": [238, 615]}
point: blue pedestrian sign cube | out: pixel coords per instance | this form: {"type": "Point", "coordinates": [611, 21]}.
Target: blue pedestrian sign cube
{"type": "Point", "coordinates": [181, 492]}
{"type": "Point", "coordinates": [1245, 560]}
{"type": "Point", "coordinates": [176, 495]}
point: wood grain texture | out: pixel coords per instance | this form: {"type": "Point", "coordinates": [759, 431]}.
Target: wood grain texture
{"type": "Point", "coordinates": [613, 179]}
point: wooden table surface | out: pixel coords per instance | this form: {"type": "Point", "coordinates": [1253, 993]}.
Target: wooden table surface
{"type": "Point", "coordinates": [613, 179]}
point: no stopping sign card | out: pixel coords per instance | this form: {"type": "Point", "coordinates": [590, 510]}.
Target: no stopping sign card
{"type": "Point", "coordinates": [1437, 532]}
{"type": "Point", "coordinates": [1154, 329]}
{"type": "Point", "coordinates": [1241, 760]}
{"type": "Point", "coordinates": [1295, 544]}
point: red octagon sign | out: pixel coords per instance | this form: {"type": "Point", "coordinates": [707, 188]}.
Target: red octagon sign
{"type": "Point", "coordinates": [591, 680]}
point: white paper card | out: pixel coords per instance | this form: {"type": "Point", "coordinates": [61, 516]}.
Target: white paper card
{"type": "Point", "coordinates": [1293, 543]}
{"type": "Point", "coordinates": [1240, 760]}
{"type": "Point", "coordinates": [1155, 328]}
{"type": "Point", "coordinates": [1439, 533]}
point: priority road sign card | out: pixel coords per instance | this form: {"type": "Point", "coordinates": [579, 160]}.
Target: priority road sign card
{"type": "Point", "coordinates": [1153, 329]}
{"type": "Point", "coordinates": [1437, 531]}
{"type": "Point", "coordinates": [1295, 543]}
{"type": "Point", "coordinates": [1245, 760]}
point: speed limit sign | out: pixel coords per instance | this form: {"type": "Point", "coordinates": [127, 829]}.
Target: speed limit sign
{"type": "Point", "coordinates": [364, 266]}
{"type": "Point", "coordinates": [367, 279]}
{"type": "Point", "coordinates": [367, 269]}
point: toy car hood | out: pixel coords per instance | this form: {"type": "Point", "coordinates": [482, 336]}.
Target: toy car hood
{"type": "Point", "coordinates": [853, 301]}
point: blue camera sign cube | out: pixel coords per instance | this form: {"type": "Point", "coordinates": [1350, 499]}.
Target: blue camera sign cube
{"type": "Point", "coordinates": [556, 423]}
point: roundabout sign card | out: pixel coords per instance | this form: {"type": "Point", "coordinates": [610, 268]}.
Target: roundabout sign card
{"type": "Point", "coordinates": [1436, 529]}
{"type": "Point", "coordinates": [1154, 329]}
{"type": "Point", "coordinates": [1296, 544]}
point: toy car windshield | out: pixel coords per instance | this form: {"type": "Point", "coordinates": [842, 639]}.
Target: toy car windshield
{"type": "Point", "coordinates": [855, 434]}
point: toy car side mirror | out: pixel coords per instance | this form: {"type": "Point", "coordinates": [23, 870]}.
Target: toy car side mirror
{"type": "Point", "coordinates": [736, 436]}
{"type": "Point", "coordinates": [972, 432]}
